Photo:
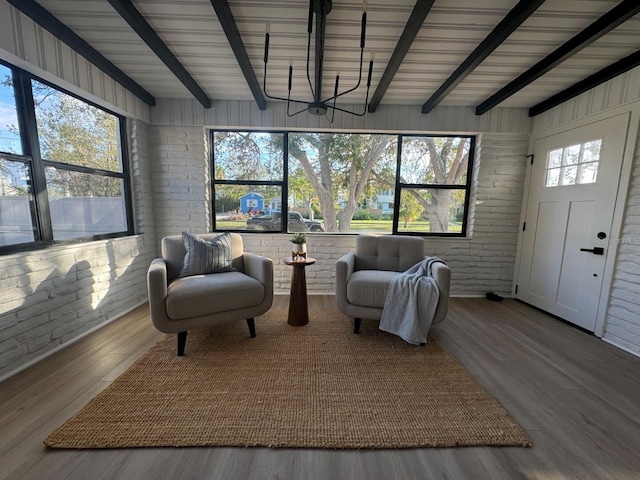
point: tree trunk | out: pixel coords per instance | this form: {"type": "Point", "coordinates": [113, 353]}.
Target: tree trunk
{"type": "Point", "coordinates": [439, 210]}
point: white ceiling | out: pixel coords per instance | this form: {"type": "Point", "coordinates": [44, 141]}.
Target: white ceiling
{"type": "Point", "coordinates": [452, 30]}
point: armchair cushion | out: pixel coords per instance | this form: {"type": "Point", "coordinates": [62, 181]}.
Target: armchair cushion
{"type": "Point", "coordinates": [206, 256]}
{"type": "Point", "coordinates": [388, 252]}
{"type": "Point", "coordinates": [199, 295]}
{"type": "Point", "coordinates": [369, 288]}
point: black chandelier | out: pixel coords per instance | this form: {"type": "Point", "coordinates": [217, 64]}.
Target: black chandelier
{"type": "Point", "coordinates": [320, 106]}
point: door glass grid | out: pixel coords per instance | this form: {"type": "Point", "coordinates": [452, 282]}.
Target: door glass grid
{"type": "Point", "coordinates": [573, 165]}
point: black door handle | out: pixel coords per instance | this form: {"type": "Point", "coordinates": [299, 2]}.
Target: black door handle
{"type": "Point", "coordinates": [594, 250]}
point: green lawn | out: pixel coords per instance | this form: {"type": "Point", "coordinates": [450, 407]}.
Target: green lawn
{"type": "Point", "coordinates": [357, 226]}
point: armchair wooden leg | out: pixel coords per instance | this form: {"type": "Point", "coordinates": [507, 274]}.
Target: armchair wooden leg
{"type": "Point", "coordinates": [252, 327]}
{"type": "Point", "coordinates": [356, 325]}
{"type": "Point", "coordinates": [182, 342]}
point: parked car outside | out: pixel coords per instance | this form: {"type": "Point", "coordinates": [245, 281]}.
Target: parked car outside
{"type": "Point", "coordinates": [273, 223]}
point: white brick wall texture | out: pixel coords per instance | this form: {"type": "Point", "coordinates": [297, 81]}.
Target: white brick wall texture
{"type": "Point", "coordinates": [180, 180]}
{"type": "Point", "coordinates": [623, 314]}
{"type": "Point", "coordinates": [50, 297]}
{"type": "Point", "coordinates": [481, 263]}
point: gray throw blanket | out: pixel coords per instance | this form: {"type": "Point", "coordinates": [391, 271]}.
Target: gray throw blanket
{"type": "Point", "coordinates": [411, 303]}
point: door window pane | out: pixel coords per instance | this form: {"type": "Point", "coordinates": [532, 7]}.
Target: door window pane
{"type": "Point", "coordinates": [74, 132]}
{"type": "Point", "coordinates": [84, 205]}
{"type": "Point", "coordinates": [9, 127]}
{"type": "Point", "coordinates": [571, 155]}
{"type": "Point", "coordinates": [573, 165]}
{"type": "Point", "coordinates": [16, 203]}
{"type": "Point", "coordinates": [588, 172]}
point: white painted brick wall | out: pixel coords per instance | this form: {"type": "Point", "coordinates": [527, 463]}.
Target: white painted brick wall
{"type": "Point", "coordinates": [623, 314]}
{"type": "Point", "coordinates": [50, 297]}
{"type": "Point", "coordinates": [481, 263]}
{"type": "Point", "coordinates": [180, 180]}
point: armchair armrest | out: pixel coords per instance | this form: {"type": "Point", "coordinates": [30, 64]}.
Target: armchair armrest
{"type": "Point", "coordinates": [157, 290]}
{"type": "Point", "coordinates": [260, 268]}
{"type": "Point", "coordinates": [442, 275]}
{"type": "Point", "coordinates": [344, 268]}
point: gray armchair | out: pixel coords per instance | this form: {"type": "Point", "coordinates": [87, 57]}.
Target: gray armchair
{"type": "Point", "coordinates": [179, 304]}
{"type": "Point", "coordinates": [363, 276]}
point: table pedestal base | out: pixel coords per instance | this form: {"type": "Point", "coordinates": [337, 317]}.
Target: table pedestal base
{"type": "Point", "coordinates": [298, 309]}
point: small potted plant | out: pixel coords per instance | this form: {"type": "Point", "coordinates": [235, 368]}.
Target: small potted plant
{"type": "Point", "coordinates": [299, 249]}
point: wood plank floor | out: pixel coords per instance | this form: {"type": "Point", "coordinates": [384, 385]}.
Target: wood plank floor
{"type": "Point", "coordinates": [577, 397]}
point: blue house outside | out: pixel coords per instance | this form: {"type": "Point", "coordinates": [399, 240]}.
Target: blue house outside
{"type": "Point", "coordinates": [252, 201]}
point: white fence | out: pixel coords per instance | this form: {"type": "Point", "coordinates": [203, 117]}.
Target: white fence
{"type": "Point", "coordinates": [71, 217]}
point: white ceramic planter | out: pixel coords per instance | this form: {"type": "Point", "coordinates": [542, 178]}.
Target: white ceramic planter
{"type": "Point", "coordinates": [299, 250]}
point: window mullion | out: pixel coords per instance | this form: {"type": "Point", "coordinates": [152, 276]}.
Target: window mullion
{"type": "Point", "coordinates": [26, 106]}
{"type": "Point", "coordinates": [396, 196]}
{"type": "Point", "coordinates": [285, 186]}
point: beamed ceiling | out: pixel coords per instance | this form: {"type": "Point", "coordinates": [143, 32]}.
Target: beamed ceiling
{"type": "Point", "coordinates": [481, 54]}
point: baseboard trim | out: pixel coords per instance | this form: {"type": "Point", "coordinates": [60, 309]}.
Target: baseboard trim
{"type": "Point", "coordinates": [621, 347]}
{"type": "Point", "coordinates": [66, 344]}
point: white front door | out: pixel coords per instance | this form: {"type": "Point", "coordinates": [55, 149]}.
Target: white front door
{"type": "Point", "coordinates": [572, 194]}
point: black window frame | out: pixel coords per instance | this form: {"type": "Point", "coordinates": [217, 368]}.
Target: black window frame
{"type": "Point", "coordinates": [399, 186]}
{"type": "Point", "coordinates": [31, 155]}
{"type": "Point", "coordinates": [435, 186]}
{"type": "Point", "coordinates": [283, 184]}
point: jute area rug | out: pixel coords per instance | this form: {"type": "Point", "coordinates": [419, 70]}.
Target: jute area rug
{"type": "Point", "coordinates": [317, 386]}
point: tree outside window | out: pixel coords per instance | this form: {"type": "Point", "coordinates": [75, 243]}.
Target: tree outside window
{"type": "Point", "coordinates": [347, 181]}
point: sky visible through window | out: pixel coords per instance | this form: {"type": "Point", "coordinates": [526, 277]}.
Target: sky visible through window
{"type": "Point", "coordinates": [9, 136]}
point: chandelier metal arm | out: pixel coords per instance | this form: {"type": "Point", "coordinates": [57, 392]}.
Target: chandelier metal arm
{"type": "Point", "coordinates": [264, 77]}
{"type": "Point", "coordinates": [321, 17]}
{"type": "Point", "coordinates": [309, 31]}
{"type": "Point", "coordinates": [320, 8]}
{"type": "Point", "coordinates": [366, 102]}
{"type": "Point", "coordinates": [363, 29]}
{"type": "Point", "coordinates": [337, 95]}
{"type": "Point", "coordinates": [295, 113]}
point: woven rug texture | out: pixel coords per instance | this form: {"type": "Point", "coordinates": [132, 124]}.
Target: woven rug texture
{"type": "Point", "coordinates": [316, 386]}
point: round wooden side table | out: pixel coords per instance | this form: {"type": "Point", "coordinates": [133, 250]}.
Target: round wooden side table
{"type": "Point", "coordinates": [298, 309]}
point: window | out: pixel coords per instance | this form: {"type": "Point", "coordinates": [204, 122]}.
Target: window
{"type": "Point", "coordinates": [434, 184]}
{"type": "Point", "coordinates": [248, 180]}
{"type": "Point", "coordinates": [573, 165]}
{"type": "Point", "coordinates": [62, 170]}
{"type": "Point", "coordinates": [341, 182]}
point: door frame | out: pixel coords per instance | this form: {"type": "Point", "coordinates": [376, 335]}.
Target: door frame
{"type": "Point", "coordinates": [633, 111]}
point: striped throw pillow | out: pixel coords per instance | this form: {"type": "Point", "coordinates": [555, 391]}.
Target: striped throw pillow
{"type": "Point", "coordinates": [204, 256]}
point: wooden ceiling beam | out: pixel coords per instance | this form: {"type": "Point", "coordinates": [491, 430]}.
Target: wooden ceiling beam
{"type": "Point", "coordinates": [235, 41]}
{"type": "Point", "coordinates": [148, 35]}
{"type": "Point", "coordinates": [610, 20]}
{"type": "Point", "coordinates": [604, 75]}
{"type": "Point", "coordinates": [411, 29]}
{"type": "Point", "coordinates": [499, 34]}
{"type": "Point", "coordinates": [44, 18]}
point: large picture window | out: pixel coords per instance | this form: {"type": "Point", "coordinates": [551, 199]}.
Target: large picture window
{"type": "Point", "coordinates": [63, 173]}
{"type": "Point", "coordinates": [341, 182]}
